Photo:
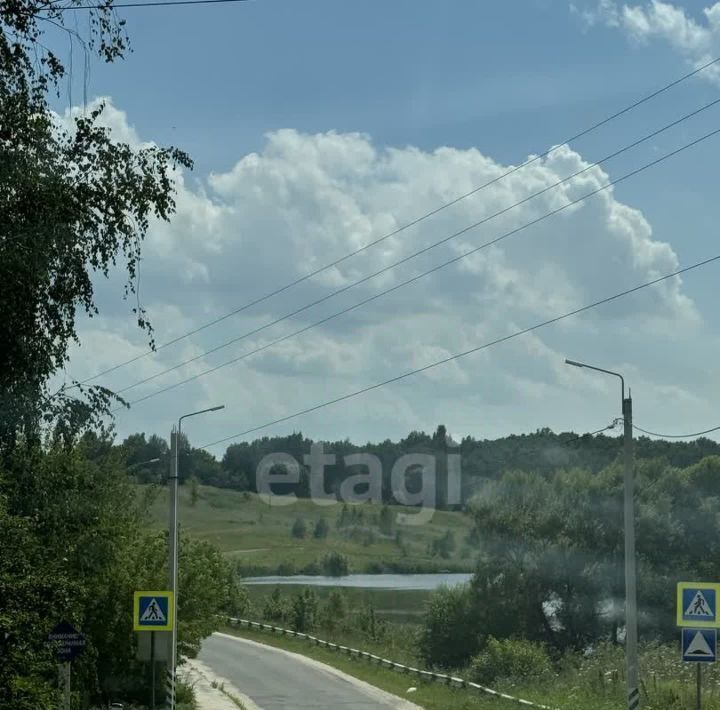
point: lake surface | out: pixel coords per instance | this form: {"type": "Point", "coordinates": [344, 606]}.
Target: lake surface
{"type": "Point", "coordinates": [369, 581]}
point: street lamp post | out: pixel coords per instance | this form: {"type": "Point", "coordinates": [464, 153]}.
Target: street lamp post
{"type": "Point", "coordinates": [631, 631]}
{"type": "Point", "coordinates": [173, 540]}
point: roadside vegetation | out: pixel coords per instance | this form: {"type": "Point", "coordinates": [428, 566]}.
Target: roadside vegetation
{"type": "Point", "coordinates": [538, 619]}
{"type": "Point", "coordinates": [593, 683]}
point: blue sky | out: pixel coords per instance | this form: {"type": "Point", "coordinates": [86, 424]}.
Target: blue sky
{"type": "Point", "coordinates": [504, 79]}
{"type": "Point", "coordinates": [510, 78]}
{"type": "Point", "coordinates": [514, 75]}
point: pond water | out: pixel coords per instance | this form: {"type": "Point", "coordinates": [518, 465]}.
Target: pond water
{"type": "Point", "coordinates": [369, 581]}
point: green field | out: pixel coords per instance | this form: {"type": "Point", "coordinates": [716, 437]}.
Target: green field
{"type": "Point", "coordinates": [257, 535]}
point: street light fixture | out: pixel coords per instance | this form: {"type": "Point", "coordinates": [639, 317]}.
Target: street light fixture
{"type": "Point", "coordinates": [142, 463]}
{"type": "Point", "coordinates": [631, 639]}
{"type": "Point", "coordinates": [173, 538]}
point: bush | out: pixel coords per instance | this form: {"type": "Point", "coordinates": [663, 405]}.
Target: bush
{"type": "Point", "coordinates": [335, 564]}
{"type": "Point", "coordinates": [194, 490]}
{"type": "Point", "coordinates": [299, 529]}
{"type": "Point", "coordinates": [303, 614]}
{"type": "Point", "coordinates": [509, 658]}
{"type": "Point", "coordinates": [333, 611]}
{"type": "Point", "coordinates": [184, 696]}
{"type": "Point", "coordinates": [370, 625]}
{"type": "Point", "coordinates": [312, 569]}
{"type": "Point", "coordinates": [449, 634]}
{"type": "Point", "coordinates": [276, 607]}
{"type": "Point", "coordinates": [321, 529]}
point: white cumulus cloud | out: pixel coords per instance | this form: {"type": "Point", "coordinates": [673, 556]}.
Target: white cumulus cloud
{"type": "Point", "coordinates": [697, 39]}
{"type": "Point", "coordinates": [306, 200]}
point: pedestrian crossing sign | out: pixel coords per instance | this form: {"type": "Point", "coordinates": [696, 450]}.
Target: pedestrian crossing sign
{"type": "Point", "coordinates": [153, 611]}
{"type": "Point", "coordinates": [697, 604]}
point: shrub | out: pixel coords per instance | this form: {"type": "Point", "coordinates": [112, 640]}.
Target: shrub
{"type": "Point", "coordinates": [321, 529]}
{"type": "Point", "coordinates": [299, 529]}
{"type": "Point", "coordinates": [184, 696]}
{"type": "Point", "coordinates": [370, 625]}
{"type": "Point", "coordinates": [333, 610]}
{"type": "Point", "coordinates": [509, 658]}
{"type": "Point", "coordinates": [194, 490]}
{"type": "Point", "coordinates": [304, 611]}
{"type": "Point", "coordinates": [449, 634]}
{"type": "Point", "coordinates": [312, 569]}
{"type": "Point", "coordinates": [276, 607]}
{"type": "Point", "coordinates": [335, 564]}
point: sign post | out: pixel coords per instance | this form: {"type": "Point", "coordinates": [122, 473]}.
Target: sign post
{"type": "Point", "coordinates": [153, 611]}
{"type": "Point", "coordinates": [70, 643]}
{"type": "Point", "coordinates": [698, 619]}
{"type": "Point", "coordinates": [67, 701]}
{"type": "Point", "coordinates": [152, 670]}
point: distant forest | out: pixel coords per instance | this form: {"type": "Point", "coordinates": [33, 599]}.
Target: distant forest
{"type": "Point", "coordinates": [541, 452]}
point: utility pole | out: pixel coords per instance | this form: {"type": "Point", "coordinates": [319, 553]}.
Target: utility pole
{"type": "Point", "coordinates": [173, 560]}
{"type": "Point", "coordinates": [631, 631]}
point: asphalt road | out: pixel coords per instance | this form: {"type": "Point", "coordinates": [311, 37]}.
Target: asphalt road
{"type": "Point", "coordinates": [278, 680]}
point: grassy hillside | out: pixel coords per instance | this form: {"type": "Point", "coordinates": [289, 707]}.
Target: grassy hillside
{"type": "Point", "coordinates": [258, 535]}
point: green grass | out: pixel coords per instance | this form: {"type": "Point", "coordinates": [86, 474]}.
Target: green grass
{"type": "Point", "coordinates": [257, 535]}
{"type": "Point", "coordinates": [399, 606]}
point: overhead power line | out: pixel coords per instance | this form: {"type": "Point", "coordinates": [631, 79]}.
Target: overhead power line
{"type": "Point", "coordinates": [465, 353]}
{"type": "Point", "coordinates": [578, 437]}
{"type": "Point", "coordinates": [161, 3]}
{"type": "Point", "coordinates": [403, 227]}
{"type": "Point", "coordinates": [434, 269]}
{"type": "Point", "coordinates": [405, 259]}
{"type": "Point", "coordinates": [677, 436]}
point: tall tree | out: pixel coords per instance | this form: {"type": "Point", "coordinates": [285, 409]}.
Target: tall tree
{"type": "Point", "coordinates": [73, 202]}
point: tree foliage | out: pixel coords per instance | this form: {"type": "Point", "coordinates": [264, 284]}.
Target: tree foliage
{"type": "Point", "coordinates": [550, 566]}
{"type": "Point", "coordinates": [73, 203]}
{"type": "Point", "coordinates": [540, 453]}
{"type": "Point", "coordinates": [75, 549]}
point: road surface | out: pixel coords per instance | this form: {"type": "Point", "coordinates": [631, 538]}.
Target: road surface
{"type": "Point", "coordinates": [279, 680]}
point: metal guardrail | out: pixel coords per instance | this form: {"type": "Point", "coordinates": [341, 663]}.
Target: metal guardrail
{"type": "Point", "coordinates": [386, 663]}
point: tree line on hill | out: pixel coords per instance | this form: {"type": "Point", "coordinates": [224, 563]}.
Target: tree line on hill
{"type": "Point", "coordinates": [481, 459]}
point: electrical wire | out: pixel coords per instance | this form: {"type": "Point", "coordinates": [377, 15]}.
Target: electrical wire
{"type": "Point", "coordinates": [160, 3]}
{"type": "Point", "coordinates": [403, 227]}
{"type": "Point", "coordinates": [676, 436]}
{"type": "Point", "coordinates": [434, 269]}
{"type": "Point", "coordinates": [465, 353]}
{"type": "Point", "coordinates": [609, 427]}
{"type": "Point", "coordinates": [385, 269]}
